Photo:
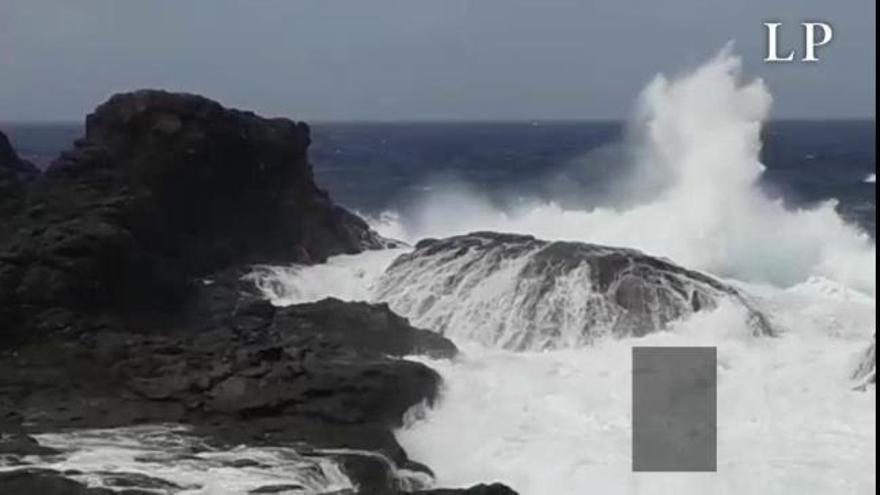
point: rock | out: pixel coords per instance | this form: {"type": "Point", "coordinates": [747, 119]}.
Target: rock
{"type": "Point", "coordinates": [276, 489]}
{"type": "Point", "coordinates": [866, 371]}
{"type": "Point", "coordinates": [19, 444]}
{"type": "Point", "coordinates": [372, 328]}
{"type": "Point", "coordinates": [47, 482]}
{"type": "Point", "coordinates": [481, 489]}
{"type": "Point", "coordinates": [149, 484]}
{"type": "Point", "coordinates": [226, 182]}
{"type": "Point", "coordinates": [15, 175]}
{"type": "Point", "coordinates": [285, 379]}
{"type": "Point", "coordinates": [519, 292]}
{"type": "Point", "coordinates": [163, 189]}
{"type": "Point", "coordinates": [122, 299]}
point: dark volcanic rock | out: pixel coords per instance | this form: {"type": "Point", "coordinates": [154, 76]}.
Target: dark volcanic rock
{"type": "Point", "coordinates": [493, 489]}
{"type": "Point", "coordinates": [31, 481]}
{"type": "Point", "coordinates": [20, 445]}
{"type": "Point", "coordinates": [223, 184]}
{"type": "Point", "coordinates": [10, 162]}
{"type": "Point", "coordinates": [282, 377]}
{"type": "Point", "coordinates": [523, 293]}
{"type": "Point", "coordinates": [163, 188]}
{"type": "Point", "coordinates": [15, 174]}
{"type": "Point", "coordinates": [122, 300]}
{"type": "Point", "coordinates": [371, 328]}
{"type": "Point", "coordinates": [264, 375]}
{"type": "Point", "coordinates": [45, 482]}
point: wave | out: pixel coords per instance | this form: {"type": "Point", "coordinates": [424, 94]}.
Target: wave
{"type": "Point", "coordinates": [167, 459]}
{"type": "Point", "coordinates": [789, 420]}
{"type": "Point", "coordinates": [871, 179]}
{"type": "Point", "coordinates": [692, 192]}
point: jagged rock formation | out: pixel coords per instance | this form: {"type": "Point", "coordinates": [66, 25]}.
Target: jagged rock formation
{"type": "Point", "coordinates": [122, 300]}
{"type": "Point", "coordinates": [518, 292]}
{"type": "Point", "coordinates": [15, 174]}
{"type": "Point", "coordinates": [164, 187]}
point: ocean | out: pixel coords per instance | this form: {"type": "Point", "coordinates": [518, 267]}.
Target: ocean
{"type": "Point", "coordinates": [785, 212]}
{"type": "Point", "coordinates": [376, 167]}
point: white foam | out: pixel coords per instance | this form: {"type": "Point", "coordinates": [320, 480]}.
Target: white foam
{"type": "Point", "coordinates": [787, 417]}
{"type": "Point", "coordinates": [697, 139]}
{"type": "Point", "coordinates": [789, 421]}
{"type": "Point", "coordinates": [168, 454]}
{"type": "Point", "coordinates": [559, 421]}
{"type": "Point", "coordinates": [346, 277]}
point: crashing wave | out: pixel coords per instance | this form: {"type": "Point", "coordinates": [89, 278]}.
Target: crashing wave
{"type": "Point", "coordinates": [167, 459]}
{"type": "Point", "coordinates": [518, 292]}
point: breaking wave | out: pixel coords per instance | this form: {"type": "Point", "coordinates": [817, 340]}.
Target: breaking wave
{"type": "Point", "coordinates": [165, 459]}
{"type": "Point", "coordinates": [519, 293]}
{"type": "Point", "coordinates": [693, 192]}
{"type": "Point", "coordinates": [789, 420]}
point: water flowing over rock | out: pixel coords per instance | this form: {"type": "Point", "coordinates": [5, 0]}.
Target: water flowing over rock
{"type": "Point", "coordinates": [866, 371]}
{"type": "Point", "coordinates": [518, 292]}
{"type": "Point", "coordinates": [324, 375]}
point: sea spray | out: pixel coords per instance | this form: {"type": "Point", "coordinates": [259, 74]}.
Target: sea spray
{"type": "Point", "coordinates": [789, 419]}
{"type": "Point", "coordinates": [699, 133]}
{"type": "Point", "coordinates": [518, 292]}
{"type": "Point", "coordinates": [167, 458]}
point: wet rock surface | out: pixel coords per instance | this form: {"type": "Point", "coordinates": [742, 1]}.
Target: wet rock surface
{"type": "Point", "coordinates": [48, 482]}
{"type": "Point", "coordinates": [866, 369]}
{"type": "Point", "coordinates": [520, 292]}
{"type": "Point", "coordinates": [264, 375]}
{"type": "Point", "coordinates": [482, 489]}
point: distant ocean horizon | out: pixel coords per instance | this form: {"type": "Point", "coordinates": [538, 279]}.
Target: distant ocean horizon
{"type": "Point", "coordinates": [373, 167]}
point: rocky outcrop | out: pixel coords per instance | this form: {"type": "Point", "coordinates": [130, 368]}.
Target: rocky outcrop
{"type": "Point", "coordinates": [482, 489]}
{"type": "Point", "coordinates": [163, 188]}
{"type": "Point", "coordinates": [325, 374]}
{"type": "Point", "coordinates": [518, 292]}
{"type": "Point", "coordinates": [48, 482]}
{"type": "Point", "coordinates": [262, 363]}
{"type": "Point", "coordinates": [15, 174]}
{"type": "Point", "coordinates": [866, 370]}
{"type": "Point", "coordinates": [123, 301]}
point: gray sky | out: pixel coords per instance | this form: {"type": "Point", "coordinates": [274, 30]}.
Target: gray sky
{"type": "Point", "coordinates": [416, 59]}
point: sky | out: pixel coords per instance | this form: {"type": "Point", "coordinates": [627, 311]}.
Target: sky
{"type": "Point", "coordinates": [390, 60]}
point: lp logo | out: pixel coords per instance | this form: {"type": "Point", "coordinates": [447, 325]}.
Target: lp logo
{"type": "Point", "coordinates": [811, 41]}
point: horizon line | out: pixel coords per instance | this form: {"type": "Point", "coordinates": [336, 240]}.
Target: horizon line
{"type": "Point", "coordinates": [555, 120]}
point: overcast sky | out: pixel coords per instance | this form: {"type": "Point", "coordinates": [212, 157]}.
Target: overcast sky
{"type": "Point", "coordinates": [414, 59]}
